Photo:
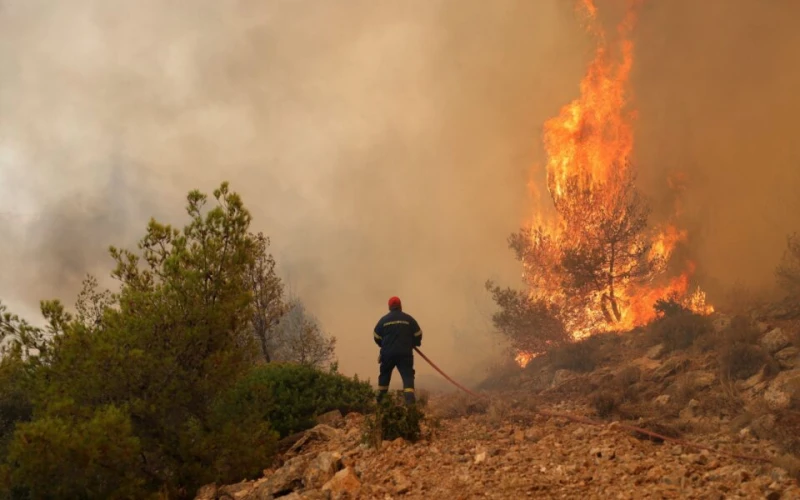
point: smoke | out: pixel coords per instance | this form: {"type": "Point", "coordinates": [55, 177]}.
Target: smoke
{"type": "Point", "coordinates": [384, 147]}
{"type": "Point", "coordinates": [715, 85]}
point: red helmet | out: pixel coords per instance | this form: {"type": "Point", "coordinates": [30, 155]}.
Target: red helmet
{"type": "Point", "coordinates": [394, 303]}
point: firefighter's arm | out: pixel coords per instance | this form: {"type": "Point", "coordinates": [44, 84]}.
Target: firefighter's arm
{"type": "Point", "coordinates": [376, 335]}
{"type": "Point", "coordinates": [417, 333]}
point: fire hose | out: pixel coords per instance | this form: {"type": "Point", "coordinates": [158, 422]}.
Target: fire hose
{"type": "Point", "coordinates": [597, 423]}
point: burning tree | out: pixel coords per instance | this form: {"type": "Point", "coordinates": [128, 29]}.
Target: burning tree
{"type": "Point", "coordinates": [601, 251]}
{"type": "Point", "coordinates": [591, 255]}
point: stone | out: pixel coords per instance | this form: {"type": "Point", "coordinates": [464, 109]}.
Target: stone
{"type": "Point", "coordinates": [775, 340]}
{"type": "Point", "coordinates": [236, 491]}
{"type": "Point", "coordinates": [562, 376]}
{"type": "Point", "coordinates": [753, 381]}
{"type": "Point", "coordinates": [669, 368]}
{"type": "Point", "coordinates": [332, 418]}
{"type": "Point", "coordinates": [344, 481]}
{"type": "Point", "coordinates": [207, 492]}
{"type": "Point", "coordinates": [401, 483]}
{"type": "Point", "coordinates": [480, 457]}
{"type": "Point", "coordinates": [322, 468]}
{"type": "Point", "coordinates": [286, 479]}
{"type": "Point", "coordinates": [788, 357]}
{"type": "Point", "coordinates": [656, 351]}
{"type": "Point", "coordinates": [782, 390]}
{"type": "Point", "coordinates": [662, 400]}
{"type": "Point", "coordinates": [703, 380]}
{"type": "Point", "coordinates": [763, 426]}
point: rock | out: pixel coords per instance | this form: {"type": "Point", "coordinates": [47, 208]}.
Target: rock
{"type": "Point", "coordinates": [533, 434]}
{"type": "Point", "coordinates": [322, 468]}
{"type": "Point", "coordinates": [332, 418]}
{"type": "Point", "coordinates": [286, 479]}
{"type": "Point", "coordinates": [401, 483]}
{"type": "Point", "coordinates": [519, 436]}
{"type": "Point", "coordinates": [562, 376]}
{"type": "Point", "coordinates": [763, 426]}
{"type": "Point", "coordinates": [775, 340]}
{"type": "Point", "coordinates": [753, 381]}
{"type": "Point", "coordinates": [703, 380]}
{"type": "Point", "coordinates": [670, 367]}
{"type": "Point", "coordinates": [656, 351]}
{"type": "Point", "coordinates": [762, 327]}
{"type": "Point", "coordinates": [788, 357]}
{"type": "Point", "coordinates": [782, 390]}
{"type": "Point", "coordinates": [236, 491]}
{"type": "Point", "coordinates": [207, 492]}
{"type": "Point", "coordinates": [343, 481]}
{"type": "Point", "coordinates": [662, 400]}
{"type": "Point", "coordinates": [480, 457]}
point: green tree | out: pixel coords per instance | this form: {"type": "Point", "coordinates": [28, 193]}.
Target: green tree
{"type": "Point", "coordinates": [148, 365]}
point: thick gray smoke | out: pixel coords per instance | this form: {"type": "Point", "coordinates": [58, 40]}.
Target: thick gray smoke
{"type": "Point", "coordinates": [384, 147]}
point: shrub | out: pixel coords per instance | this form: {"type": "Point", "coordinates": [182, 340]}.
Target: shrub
{"type": "Point", "coordinates": [670, 307]}
{"type": "Point", "coordinates": [65, 457]}
{"type": "Point", "coordinates": [740, 361]}
{"type": "Point", "coordinates": [605, 403]}
{"type": "Point", "coordinates": [740, 356]}
{"type": "Point", "coordinates": [679, 330]}
{"type": "Point", "coordinates": [529, 325]}
{"type": "Point", "coordinates": [393, 419]}
{"type": "Point", "coordinates": [580, 356]}
{"type": "Point", "coordinates": [298, 393]}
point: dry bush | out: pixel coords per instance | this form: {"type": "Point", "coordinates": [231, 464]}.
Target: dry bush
{"type": "Point", "coordinates": [742, 361]}
{"type": "Point", "coordinates": [606, 403]}
{"type": "Point", "coordinates": [500, 376]}
{"type": "Point", "coordinates": [627, 382]}
{"type": "Point", "coordinates": [580, 356]}
{"type": "Point", "coordinates": [619, 395]}
{"type": "Point", "coordinates": [459, 405]}
{"type": "Point", "coordinates": [679, 331]}
{"type": "Point", "coordinates": [740, 357]}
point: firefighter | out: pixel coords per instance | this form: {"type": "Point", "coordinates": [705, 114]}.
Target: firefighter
{"type": "Point", "coordinates": [397, 333]}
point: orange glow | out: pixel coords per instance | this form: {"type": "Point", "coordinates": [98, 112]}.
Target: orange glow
{"type": "Point", "coordinates": [589, 146]}
{"type": "Point", "coordinates": [523, 358]}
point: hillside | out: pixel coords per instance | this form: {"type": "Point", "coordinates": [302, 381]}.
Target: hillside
{"type": "Point", "coordinates": [726, 399]}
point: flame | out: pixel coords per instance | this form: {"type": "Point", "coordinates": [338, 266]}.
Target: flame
{"type": "Point", "coordinates": [588, 146]}
{"type": "Point", "coordinates": [523, 358]}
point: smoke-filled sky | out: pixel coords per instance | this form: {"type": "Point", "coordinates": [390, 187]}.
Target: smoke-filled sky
{"type": "Point", "coordinates": [385, 147]}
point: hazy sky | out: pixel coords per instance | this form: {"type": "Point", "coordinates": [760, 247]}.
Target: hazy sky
{"type": "Point", "coordinates": [385, 147]}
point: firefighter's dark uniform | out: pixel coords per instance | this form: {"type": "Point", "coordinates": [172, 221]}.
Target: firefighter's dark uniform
{"type": "Point", "coordinates": [397, 334]}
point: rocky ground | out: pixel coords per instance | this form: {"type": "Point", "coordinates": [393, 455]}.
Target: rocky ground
{"type": "Point", "coordinates": [509, 451]}
{"type": "Point", "coordinates": [503, 446]}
